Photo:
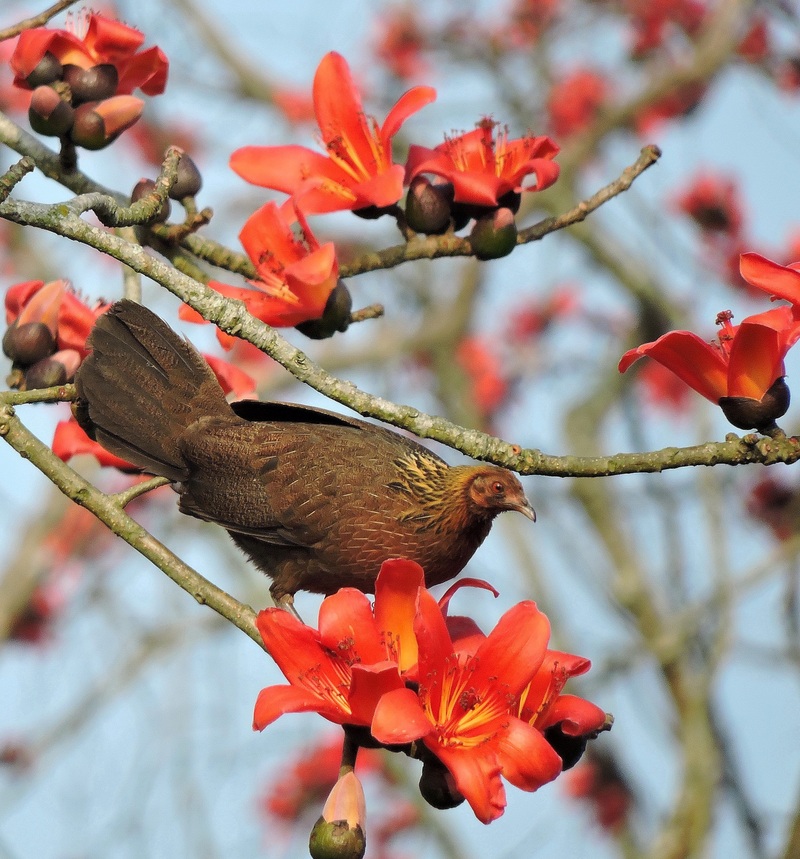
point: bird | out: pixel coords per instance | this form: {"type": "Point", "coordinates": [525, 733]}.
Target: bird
{"type": "Point", "coordinates": [316, 499]}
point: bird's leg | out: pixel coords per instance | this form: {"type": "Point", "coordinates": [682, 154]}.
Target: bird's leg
{"type": "Point", "coordinates": [285, 601]}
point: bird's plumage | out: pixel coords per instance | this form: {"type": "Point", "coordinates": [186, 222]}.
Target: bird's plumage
{"type": "Point", "coordinates": [318, 500]}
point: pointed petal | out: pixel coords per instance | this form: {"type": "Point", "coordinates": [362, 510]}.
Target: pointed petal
{"type": "Point", "coordinates": [274, 701]}
{"type": "Point", "coordinates": [527, 760]}
{"type": "Point", "coordinates": [477, 775]}
{"type": "Point", "coordinates": [778, 280]}
{"type": "Point", "coordinates": [346, 624]}
{"type": "Point", "coordinates": [396, 590]}
{"type": "Point", "coordinates": [408, 104]}
{"type": "Point", "coordinates": [433, 642]}
{"type": "Point", "coordinates": [467, 582]}
{"type": "Point", "coordinates": [147, 71]}
{"type": "Point", "coordinates": [514, 649]}
{"type": "Point", "coordinates": [383, 189]}
{"type": "Point", "coordinates": [266, 232]}
{"type": "Point", "coordinates": [283, 168]}
{"type": "Point", "coordinates": [338, 107]}
{"type": "Point", "coordinates": [546, 173]}
{"type": "Point", "coordinates": [691, 359]}
{"type": "Point", "coordinates": [399, 718]}
{"type": "Point", "coordinates": [315, 268]}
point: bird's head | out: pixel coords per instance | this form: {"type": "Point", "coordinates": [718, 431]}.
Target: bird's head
{"type": "Point", "coordinates": [493, 490]}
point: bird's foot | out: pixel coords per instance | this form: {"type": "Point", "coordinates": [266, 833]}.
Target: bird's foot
{"type": "Point", "coordinates": [286, 602]}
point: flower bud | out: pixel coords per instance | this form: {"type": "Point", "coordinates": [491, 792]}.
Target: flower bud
{"type": "Point", "coordinates": [749, 413]}
{"type": "Point", "coordinates": [48, 113]}
{"type": "Point", "coordinates": [47, 373]}
{"type": "Point", "coordinates": [428, 206]}
{"type": "Point", "coordinates": [340, 832]}
{"type": "Point", "coordinates": [189, 181]}
{"type": "Point", "coordinates": [144, 187]}
{"type": "Point", "coordinates": [93, 84]}
{"type": "Point", "coordinates": [47, 70]}
{"type": "Point", "coordinates": [437, 785]}
{"type": "Point", "coordinates": [494, 235]}
{"type": "Point", "coordinates": [28, 343]}
{"type": "Point", "coordinates": [99, 123]}
{"type": "Point", "coordinates": [335, 317]}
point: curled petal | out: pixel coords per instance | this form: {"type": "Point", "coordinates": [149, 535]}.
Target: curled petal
{"type": "Point", "coordinates": [477, 775]}
{"type": "Point", "coordinates": [408, 104]}
{"type": "Point", "coordinates": [346, 624]}
{"type": "Point", "coordinates": [275, 701]}
{"type": "Point", "coordinates": [399, 718]}
{"type": "Point", "coordinates": [777, 280]}
{"type": "Point", "coordinates": [576, 715]}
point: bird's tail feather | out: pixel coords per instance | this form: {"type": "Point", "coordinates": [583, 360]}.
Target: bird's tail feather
{"type": "Point", "coordinates": [141, 387]}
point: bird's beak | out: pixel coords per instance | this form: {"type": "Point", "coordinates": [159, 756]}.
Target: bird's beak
{"type": "Point", "coordinates": [525, 508]}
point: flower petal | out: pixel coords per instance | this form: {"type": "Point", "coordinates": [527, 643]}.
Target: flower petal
{"type": "Point", "coordinates": [691, 359]}
{"type": "Point", "coordinates": [368, 686]}
{"type": "Point", "coordinates": [274, 701]}
{"type": "Point", "coordinates": [399, 718]}
{"type": "Point", "coordinates": [408, 104]}
{"type": "Point", "coordinates": [756, 360]}
{"type": "Point", "coordinates": [283, 168]}
{"type": "Point", "coordinates": [396, 590]}
{"type": "Point", "coordinates": [527, 760]}
{"type": "Point", "coordinates": [346, 625]}
{"type": "Point", "coordinates": [477, 775]}
{"type": "Point", "coordinates": [777, 280]}
{"type": "Point", "coordinates": [514, 649]}
{"type": "Point", "coordinates": [576, 715]}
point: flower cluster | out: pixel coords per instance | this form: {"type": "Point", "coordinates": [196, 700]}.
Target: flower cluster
{"type": "Point", "coordinates": [401, 673]}
{"type": "Point", "coordinates": [742, 371]}
{"type": "Point", "coordinates": [478, 175]}
{"type": "Point", "coordinates": [82, 83]}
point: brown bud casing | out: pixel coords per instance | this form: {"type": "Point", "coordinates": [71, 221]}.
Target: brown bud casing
{"type": "Point", "coordinates": [748, 413]}
{"type": "Point", "coordinates": [189, 181]}
{"type": "Point", "coordinates": [428, 206]}
{"type": "Point", "coordinates": [48, 113]}
{"type": "Point", "coordinates": [28, 343]}
{"type": "Point", "coordinates": [335, 317]}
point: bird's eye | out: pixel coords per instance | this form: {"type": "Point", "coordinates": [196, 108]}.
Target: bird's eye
{"type": "Point", "coordinates": [498, 488]}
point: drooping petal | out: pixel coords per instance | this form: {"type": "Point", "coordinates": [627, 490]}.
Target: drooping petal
{"type": "Point", "coordinates": [399, 718]}
{"type": "Point", "coordinates": [110, 40]}
{"type": "Point", "coordinates": [576, 715]}
{"type": "Point", "coordinates": [466, 582]}
{"type": "Point", "coordinates": [293, 645]}
{"type": "Point", "coordinates": [546, 172]}
{"type": "Point", "coordinates": [147, 71]}
{"type": "Point", "coordinates": [777, 280]}
{"type": "Point", "coordinates": [70, 440]}
{"type": "Point", "coordinates": [691, 359]}
{"type": "Point", "coordinates": [477, 774]}
{"type": "Point", "coordinates": [231, 378]}
{"type": "Point", "coordinates": [527, 760]}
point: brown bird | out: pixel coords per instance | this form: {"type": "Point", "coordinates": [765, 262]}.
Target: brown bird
{"type": "Point", "coordinates": [316, 499]}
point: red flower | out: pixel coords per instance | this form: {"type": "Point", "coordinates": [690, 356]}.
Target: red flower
{"type": "Point", "coordinates": [105, 41]}
{"type": "Point", "coordinates": [464, 710]}
{"type": "Point", "coordinates": [483, 167]}
{"type": "Point", "coordinates": [600, 781]}
{"type": "Point", "coordinates": [401, 42]}
{"type": "Point", "coordinates": [57, 306]}
{"type": "Point", "coordinates": [357, 171]}
{"type": "Point", "coordinates": [70, 440]}
{"type": "Point", "coordinates": [231, 378]}
{"type": "Point", "coordinates": [488, 379]}
{"type": "Point", "coordinates": [575, 100]}
{"type": "Point", "coordinates": [712, 201]}
{"type": "Point", "coordinates": [295, 275]}
{"type": "Point", "coordinates": [745, 362]}
{"type": "Point", "coordinates": [779, 281]}
{"type": "Point", "coordinates": [341, 670]}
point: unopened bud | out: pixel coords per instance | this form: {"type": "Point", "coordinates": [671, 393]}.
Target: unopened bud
{"type": "Point", "coordinates": [749, 413]}
{"type": "Point", "coordinates": [341, 831]}
{"type": "Point", "coordinates": [335, 317]}
{"type": "Point", "coordinates": [47, 70]}
{"type": "Point", "coordinates": [58, 369]}
{"type": "Point", "coordinates": [428, 206]}
{"type": "Point", "coordinates": [189, 181]}
{"type": "Point", "coordinates": [48, 113]}
{"type": "Point", "coordinates": [93, 84]}
{"type": "Point", "coordinates": [437, 785]}
{"type": "Point", "coordinates": [494, 235]}
{"type": "Point", "coordinates": [99, 123]}
{"type": "Point", "coordinates": [28, 343]}
{"type": "Point", "coordinates": [144, 187]}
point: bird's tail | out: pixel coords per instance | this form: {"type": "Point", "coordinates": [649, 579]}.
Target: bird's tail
{"type": "Point", "coordinates": [141, 387]}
